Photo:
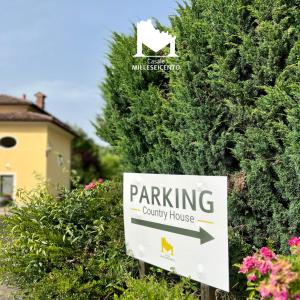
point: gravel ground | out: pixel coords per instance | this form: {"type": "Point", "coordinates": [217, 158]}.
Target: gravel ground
{"type": "Point", "coordinates": [4, 211]}
{"type": "Point", "coordinates": [6, 293]}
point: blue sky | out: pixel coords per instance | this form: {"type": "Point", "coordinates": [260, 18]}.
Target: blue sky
{"type": "Point", "coordinates": [59, 47]}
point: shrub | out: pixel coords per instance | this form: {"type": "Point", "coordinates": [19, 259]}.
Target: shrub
{"type": "Point", "coordinates": [110, 162]}
{"type": "Point", "coordinates": [151, 289]}
{"type": "Point", "coordinates": [71, 247]}
{"type": "Point", "coordinates": [86, 163]}
{"type": "Point", "coordinates": [272, 276]}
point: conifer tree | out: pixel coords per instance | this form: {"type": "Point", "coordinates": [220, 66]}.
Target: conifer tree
{"type": "Point", "coordinates": [233, 109]}
{"type": "Point", "coordinates": [133, 117]}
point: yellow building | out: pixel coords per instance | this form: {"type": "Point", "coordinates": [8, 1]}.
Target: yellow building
{"type": "Point", "coordinates": [34, 146]}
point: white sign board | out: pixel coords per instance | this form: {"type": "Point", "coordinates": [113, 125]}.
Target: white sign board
{"type": "Point", "coordinates": [179, 223]}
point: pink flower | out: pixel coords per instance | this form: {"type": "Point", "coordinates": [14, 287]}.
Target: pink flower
{"type": "Point", "coordinates": [281, 295]}
{"type": "Point", "coordinates": [249, 263]}
{"type": "Point", "coordinates": [251, 277]}
{"type": "Point", "coordinates": [100, 180]}
{"type": "Point", "coordinates": [282, 272]}
{"type": "Point", "coordinates": [277, 268]}
{"type": "Point", "coordinates": [276, 273]}
{"type": "Point", "coordinates": [90, 186]}
{"type": "Point", "coordinates": [264, 267]}
{"type": "Point", "coordinates": [267, 253]}
{"type": "Point", "coordinates": [264, 292]}
{"type": "Point", "coordinates": [294, 241]}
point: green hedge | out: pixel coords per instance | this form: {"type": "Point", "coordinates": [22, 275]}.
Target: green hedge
{"type": "Point", "coordinates": [233, 109]}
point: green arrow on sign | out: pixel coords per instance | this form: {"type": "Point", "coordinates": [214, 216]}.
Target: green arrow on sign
{"type": "Point", "coordinates": [203, 235]}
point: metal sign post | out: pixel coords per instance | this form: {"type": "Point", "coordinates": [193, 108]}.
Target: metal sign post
{"type": "Point", "coordinates": [207, 292]}
{"type": "Point", "coordinates": [143, 268]}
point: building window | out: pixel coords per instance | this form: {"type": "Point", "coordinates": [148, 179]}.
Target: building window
{"type": "Point", "coordinates": [8, 142]}
{"type": "Point", "coordinates": [60, 160]}
{"type": "Point", "coordinates": [7, 185]}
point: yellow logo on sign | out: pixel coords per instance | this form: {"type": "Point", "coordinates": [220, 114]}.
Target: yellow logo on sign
{"type": "Point", "coordinates": [166, 247]}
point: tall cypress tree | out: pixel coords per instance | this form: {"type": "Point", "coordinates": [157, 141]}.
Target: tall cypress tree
{"type": "Point", "coordinates": [236, 104]}
{"type": "Point", "coordinates": [233, 109]}
{"type": "Point", "coordinates": [133, 118]}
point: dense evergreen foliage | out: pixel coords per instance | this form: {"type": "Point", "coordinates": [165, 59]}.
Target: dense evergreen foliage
{"type": "Point", "coordinates": [135, 114]}
{"type": "Point", "coordinates": [233, 109]}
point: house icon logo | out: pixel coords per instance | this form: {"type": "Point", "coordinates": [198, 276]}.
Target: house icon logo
{"type": "Point", "coordinates": [154, 39]}
{"type": "Point", "coordinates": [166, 247]}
